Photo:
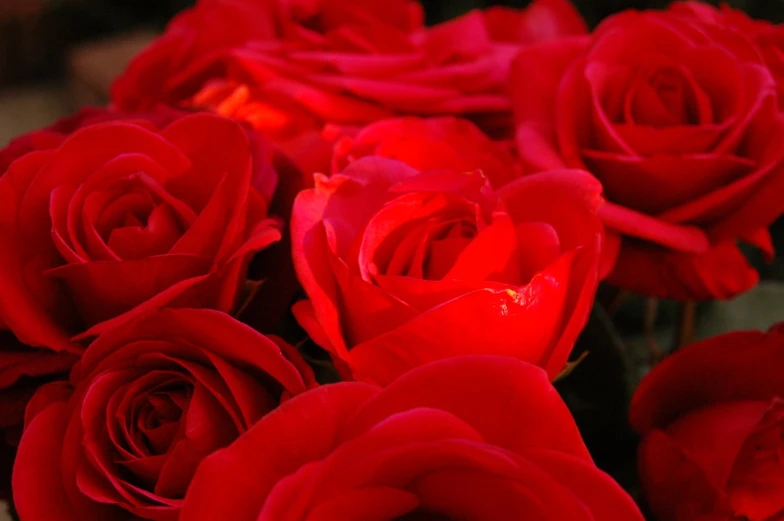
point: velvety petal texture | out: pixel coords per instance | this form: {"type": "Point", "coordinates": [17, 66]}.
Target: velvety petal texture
{"type": "Point", "coordinates": [440, 143]}
{"type": "Point", "coordinates": [302, 64]}
{"type": "Point", "coordinates": [145, 405]}
{"type": "Point", "coordinates": [403, 267]}
{"type": "Point", "coordinates": [712, 421]}
{"type": "Point", "coordinates": [767, 37]}
{"type": "Point", "coordinates": [476, 437]}
{"type": "Point", "coordinates": [676, 113]}
{"type": "Point", "coordinates": [115, 216]}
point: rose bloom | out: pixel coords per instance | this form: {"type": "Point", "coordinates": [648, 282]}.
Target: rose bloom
{"type": "Point", "coordinates": [447, 143]}
{"type": "Point", "coordinates": [712, 421]}
{"type": "Point", "coordinates": [403, 267]}
{"type": "Point", "coordinates": [145, 405]}
{"type": "Point", "coordinates": [679, 123]}
{"type": "Point", "coordinates": [289, 67]}
{"type": "Point", "coordinates": [479, 437]}
{"type": "Point", "coordinates": [121, 216]}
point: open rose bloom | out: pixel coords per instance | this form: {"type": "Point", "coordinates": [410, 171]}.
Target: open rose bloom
{"type": "Point", "coordinates": [679, 121]}
{"type": "Point", "coordinates": [143, 407]}
{"type": "Point", "coordinates": [327, 260]}
{"type": "Point", "coordinates": [403, 267]}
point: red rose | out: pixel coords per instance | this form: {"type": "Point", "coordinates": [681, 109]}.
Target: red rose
{"type": "Point", "coordinates": [712, 421]}
{"type": "Point", "coordinates": [403, 267]}
{"type": "Point", "coordinates": [479, 437]}
{"type": "Point", "coordinates": [680, 125]}
{"type": "Point", "coordinates": [146, 404]}
{"type": "Point", "coordinates": [122, 217]}
{"type": "Point", "coordinates": [339, 61]}
{"type": "Point", "coordinates": [428, 144]}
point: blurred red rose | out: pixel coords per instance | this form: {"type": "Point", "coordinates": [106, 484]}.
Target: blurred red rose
{"type": "Point", "coordinates": [146, 404]}
{"type": "Point", "coordinates": [402, 267]}
{"type": "Point", "coordinates": [311, 62]}
{"type": "Point", "coordinates": [680, 124]}
{"type": "Point", "coordinates": [428, 144]}
{"type": "Point", "coordinates": [120, 217]}
{"type": "Point", "coordinates": [712, 421]}
{"type": "Point", "coordinates": [478, 437]}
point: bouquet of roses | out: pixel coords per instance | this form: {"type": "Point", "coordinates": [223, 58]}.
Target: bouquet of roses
{"type": "Point", "coordinates": [320, 261]}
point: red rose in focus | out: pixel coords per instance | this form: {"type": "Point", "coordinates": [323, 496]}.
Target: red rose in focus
{"type": "Point", "coordinates": [429, 144]}
{"type": "Point", "coordinates": [121, 217]}
{"type": "Point", "coordinates": [149, 401]}
{"type": "Point", "coordinates": [482, 438]}
{"type": "Point", "coordinates": [712, 421]}
{"type": "Point", "coordinates": [338, 61]}
{"type": "Point", "coordinates": [402, 267]}
{"type": "Point", "coordinates": [680, 124]}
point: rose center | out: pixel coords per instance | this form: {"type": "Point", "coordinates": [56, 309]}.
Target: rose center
{"type": "Point", "coordinates": [133, 222]}
{"type": "Point", "coordinates": [158, 418]}
{"type": "Point", "coordinates": [664, 97]}
{"type": "Point", "coordinates": [446, 248]}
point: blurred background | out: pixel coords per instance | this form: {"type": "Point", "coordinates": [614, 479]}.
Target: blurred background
{"type": "Point", "coordinates": [58, 54]}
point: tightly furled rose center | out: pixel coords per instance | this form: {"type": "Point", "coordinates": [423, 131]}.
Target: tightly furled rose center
{"type": "Point", "coordinates": [145, 405]}
{"type": "Point", "coordinates": [663, 97]}
{"type": "Point", "coordinates": [426, 247]}
{"type": "Point", "coordinates": [157, 423]}
{"type": "Point", "coordinates": [134, 218]}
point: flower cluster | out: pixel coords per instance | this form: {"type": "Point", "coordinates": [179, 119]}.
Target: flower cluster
{"type": "Point", "coordinates": [287, 193]}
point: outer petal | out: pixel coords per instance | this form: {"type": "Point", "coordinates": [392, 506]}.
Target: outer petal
{"type": "Point", "coordinates": [25, 301]}
{"type": "Point", "coordinates": [37, 482]}
{"type": "Point", "coordinates": [737, 366]}
{"type": "Point", "coordinates": [523, 323]}
{"type": "Point", "coordinates": [469, 387]}
{"type": "Point", "coordinates": [676, 487]}
{"type": "Point", "coordinates": [568, 200]}
{"type": "Point", "coordinates": [636, 225]}
{"type": "Point", "coordinates": [536, 76]}
{"type": "Point", "coordinates": [233, 483]}
{"type": "Point", "coordinates": [720, 273]}
{"type": "Point", "coordinates": [598, 491]}
{"type": "Point", "coordinates": [201, 327]}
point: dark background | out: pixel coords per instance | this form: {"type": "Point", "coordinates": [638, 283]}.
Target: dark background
{"type": "Point", "coordinates": [35, 35]}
